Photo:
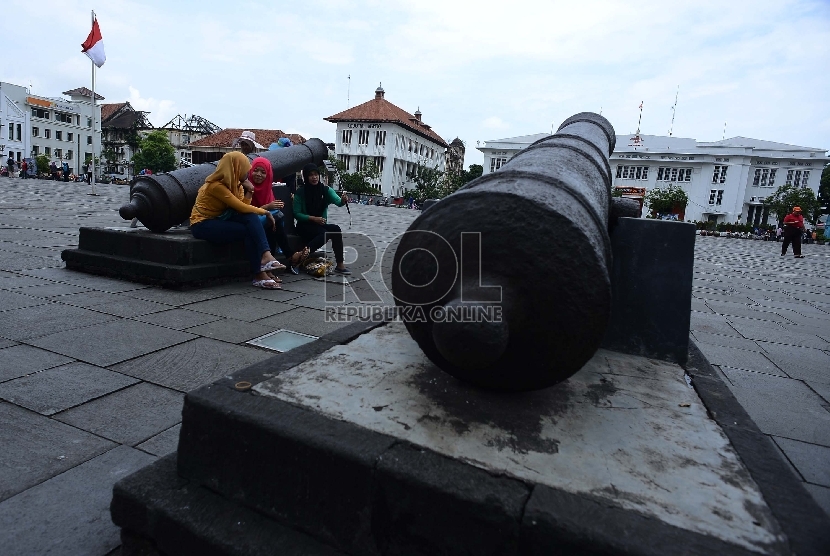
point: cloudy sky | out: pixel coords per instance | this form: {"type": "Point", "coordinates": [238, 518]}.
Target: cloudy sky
{"type": "Point", "coordinates": [477, 70]}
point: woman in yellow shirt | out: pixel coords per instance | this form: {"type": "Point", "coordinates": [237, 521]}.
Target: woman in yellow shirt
{"type": "Point", "coordinates": [223, 213]}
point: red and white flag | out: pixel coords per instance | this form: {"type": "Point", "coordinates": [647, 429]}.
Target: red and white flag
{"type": "Point", "coordinates": [93, 46]}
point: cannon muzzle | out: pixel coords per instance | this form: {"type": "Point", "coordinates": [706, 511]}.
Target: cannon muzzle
{"type": "Point", "coordinates": [161, 201]}
{"type": "Point", "coordinates": [511, 274]}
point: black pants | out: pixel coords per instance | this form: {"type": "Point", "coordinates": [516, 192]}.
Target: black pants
{"type": "Point", "coordinates": [278, 238]}
{"type": "Point", "coordinates": [793, 237]}
{"type": "Point", "coordinates": [316, 235]}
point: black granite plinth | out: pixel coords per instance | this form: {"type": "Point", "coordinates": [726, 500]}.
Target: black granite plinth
{"type": "Point", "coordinates": [173, 258]}
{"type": "Point", "coordinates": [651, 288]}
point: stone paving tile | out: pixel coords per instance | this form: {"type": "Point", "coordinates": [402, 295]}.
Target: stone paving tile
{"type": "Point", "coordinates": [177, 319]}
{"type": "Point", "coordinates": [53, 390]}
{"type": "Point", "coordinates": [189, 365]}
{"type": "Point", "coordinates": [128, 416]}
{"type": "Point", "coordinates": [301, 319]}
{"type": "Point", "coordinates": [165, 442]}
{"type": "Point", "coordinates": [99, 283]}
{"type": "Point", "coordinates": [109, 339]}
{"type": "Point", "coordinates": [802, 363]}
{"type": "Point", "coordinates": [231, 330]}
{"type": "Point", "coordinates": [239, 307]}
{"type": "Point", "coordinates": [721, 340]}
{"type": "Point", "coordinates": [68, 515]}
{"type": "Point", "coordinates": [821, 495]}
{"type": "Point", "coordinates": [43, 320]}
{"type": "Point", "coordinates": [720, 296]}
{"type": "Point", "coordinates": [10, 281]}
{"type": "Point", "coordinates": [745, 310]}
{"type": "Point", "coordinates": [781, 406]}
{"type": "Point", "coordinates": [739, 359]}
{"type": "Point", "coordinates": [6, 343]}
{"type": "Point", "coordinates": [20, 360]}
{"type": "Point", "coordinates": [130, 307]}
{"type": "Point", "coordinates": [274, 295]}
{"type": "Point", "coordinates": [700, 305]}
{"type": "Point", "coordinates": [11, 300]}
{"type": "Point", "coordinates": [48, 290]}
{"type": "Point", "coordinates": [34, 448]}
{"type": "Point", "coordinates": [174, 298]}
{"type": "Point", "coordinates": [711, 324]}
{"type": "Point", "coordinates": [774, 333]}
{"type": "Point", "coordinates": [811, 460]}
{"type": "Point", "coordinates": [90, 298]}
{"type": "Point", "coordinates": [822, 389]}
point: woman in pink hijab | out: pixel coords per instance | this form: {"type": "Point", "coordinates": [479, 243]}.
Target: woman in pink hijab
{"type": "Point", "coordinates": [262, 176]}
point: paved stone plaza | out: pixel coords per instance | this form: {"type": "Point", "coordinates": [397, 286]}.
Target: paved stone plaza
{"type": "Point", "coordinates": [93, 370]}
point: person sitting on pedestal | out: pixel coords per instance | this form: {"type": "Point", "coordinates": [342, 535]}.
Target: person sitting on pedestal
{"type": "Point", "coordinates": [223, 213]}
{"type": "Point", "coordinates": [262, 176]}
{"type": "Point", "coordinates": [311, 203]}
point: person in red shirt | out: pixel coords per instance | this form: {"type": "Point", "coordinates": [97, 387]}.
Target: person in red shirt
{"type": "Point", "coordinates": [793, 228]}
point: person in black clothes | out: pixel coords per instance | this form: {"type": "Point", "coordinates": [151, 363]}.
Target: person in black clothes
{"type": "Point", "coordinates": [311, 203]}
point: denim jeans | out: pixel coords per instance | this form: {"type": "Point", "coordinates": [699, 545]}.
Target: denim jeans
{"type": "Point", "coordinates": [239, 226]}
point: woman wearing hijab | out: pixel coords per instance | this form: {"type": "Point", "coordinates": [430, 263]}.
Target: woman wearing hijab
{"type": "Point", "coordinates": [311, 203]}
{"type": "Point", "coordinates": [223, 213]}
{"type": "Point", "coordinates": [262, 177]}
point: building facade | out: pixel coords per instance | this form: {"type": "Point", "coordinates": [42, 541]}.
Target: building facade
{"type": "Point", "coordinates": [397, 142]}
{"type": "Point", "coordinates": [58, 128]}
{"type": "Point", "coordinates": [726, 181]}
{"type": "Point", "coordinates": [213, 147]}
{"type": "Point", "coordinates": [122, 127]}
{"type": "Point", "coordinates": [182, 131]}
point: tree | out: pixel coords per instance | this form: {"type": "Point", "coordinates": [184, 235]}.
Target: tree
{"type": "Point", "coordinates": [42, 164]}
{"type": "Point", "coordinates": [666, 200]}
{"type": "Point", "coordinates": [788, 196]}
{"type": "Point", "coordinates": [475, 171]}
{"type": "Point", "coordinates": [356, 182]}
{"type": "Point", "coordinates": [824, 189]}
{"type": "Point", "coordinates": [156, 153]}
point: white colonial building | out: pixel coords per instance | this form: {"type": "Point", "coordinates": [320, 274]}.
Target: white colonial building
{"type": "Point", "coordinates": [726, 181]}
{"type": "Point", "coordinates": [58, 128]}
{"type": "Point", "coordinates": [395, 140]}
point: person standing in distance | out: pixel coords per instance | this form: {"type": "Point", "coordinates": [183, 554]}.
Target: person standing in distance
{"type": "Point", "coordinates": [793, 228]}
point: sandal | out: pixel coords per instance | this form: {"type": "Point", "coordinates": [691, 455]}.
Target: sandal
{"type": "Point", "coordinates": [271, 265]}
{"type": "Point", "coordinates": [266, 284]}
{"type": "Point", "coordinates": [276, 279]}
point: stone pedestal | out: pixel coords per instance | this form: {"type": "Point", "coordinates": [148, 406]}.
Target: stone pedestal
{"type": "Point", "coordinates": [173, 258]}
{"type": "Point", "coordinates": [363, 446]}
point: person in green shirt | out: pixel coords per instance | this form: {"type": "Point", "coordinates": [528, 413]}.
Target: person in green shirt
{"type": "Point", "coordinates": [311, 203]}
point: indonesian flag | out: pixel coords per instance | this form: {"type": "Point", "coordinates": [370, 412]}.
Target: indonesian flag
{"type": "Point", "coordinates": [93, 46]}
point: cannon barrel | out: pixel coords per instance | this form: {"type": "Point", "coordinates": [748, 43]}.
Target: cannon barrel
{"type": "Point", "coordinates": [161, 201]}
{"type": "Point", "coordinates": [525, 302]}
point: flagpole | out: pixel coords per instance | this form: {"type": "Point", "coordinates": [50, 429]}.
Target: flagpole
{"type": "Point", "coordinates": [92, 162]}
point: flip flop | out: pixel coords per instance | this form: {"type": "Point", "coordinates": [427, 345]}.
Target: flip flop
{"type": "Point", "coordinates": [276, 279]}
{"type": "Point", "coordinates": [271, 265]}
{"type": "Point", "coordinates": [266, 284]}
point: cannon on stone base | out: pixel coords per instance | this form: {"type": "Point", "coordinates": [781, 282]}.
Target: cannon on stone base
{"type": "Point", "coordinates": [161, 201]}
{"type": "Point", "coordinates": [530, 240]}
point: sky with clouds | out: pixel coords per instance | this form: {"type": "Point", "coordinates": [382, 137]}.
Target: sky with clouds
{"type": "Point", "coordinates": [477, 70]}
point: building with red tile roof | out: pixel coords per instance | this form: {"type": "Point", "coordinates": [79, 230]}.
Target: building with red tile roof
{"type": "Point", "coordinates": [396, 141]}
{"type": "Point", "coordinates": [214, 147]}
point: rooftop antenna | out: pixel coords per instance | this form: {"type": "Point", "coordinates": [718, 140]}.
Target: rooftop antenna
{"type": "Point", "coordinates": [674, 111]}
{"type": "Point", "coordinates": [349, 92]}
{"type": "Point", "coordinates": [600, 110]}
{"type": "Point", "coordinates": [724, 130]}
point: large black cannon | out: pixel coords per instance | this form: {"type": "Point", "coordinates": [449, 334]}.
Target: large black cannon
{"type": "Point", "coordinates": [528, 301]}
{"type": "Point", "coordinates": [161, 201]}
